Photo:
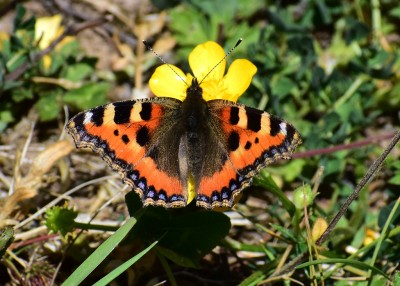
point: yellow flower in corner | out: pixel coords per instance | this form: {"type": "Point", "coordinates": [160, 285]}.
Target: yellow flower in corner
{"type": "Point", "coordinates": [47, 29]}
{"type": "Point", "coordinates": [214, 82]}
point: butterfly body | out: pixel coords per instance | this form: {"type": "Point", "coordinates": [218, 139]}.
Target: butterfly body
{"type": "Point", "coordinates": [164, 147]}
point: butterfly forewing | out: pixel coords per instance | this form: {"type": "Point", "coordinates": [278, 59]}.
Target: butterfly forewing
{"type": "Point", "coordinates": [135, 139]}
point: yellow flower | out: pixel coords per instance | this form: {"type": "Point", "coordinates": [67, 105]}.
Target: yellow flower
{"type": "Point", "coordinates": [370, 236]}
{"type": "Point", "coordinates": [3, 37]}
{"type": "Point", "coordinates": [203, 60]}
{"type": "Point", "coordinates": [47, 29]}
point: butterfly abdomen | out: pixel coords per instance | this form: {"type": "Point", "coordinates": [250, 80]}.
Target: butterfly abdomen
{"type": "Point", "coordinates": [193, 135]}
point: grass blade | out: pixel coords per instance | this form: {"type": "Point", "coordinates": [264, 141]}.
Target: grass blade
{"type": "Point", "coordinates": [99, 254]}
{"type": "Point", "coordinates": [116, 272]}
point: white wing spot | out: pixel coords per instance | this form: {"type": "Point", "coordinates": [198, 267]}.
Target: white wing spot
{"type": "Point", "coordinates": [282, 125]}
{"type": "Point", "coordinates": [88, 117]}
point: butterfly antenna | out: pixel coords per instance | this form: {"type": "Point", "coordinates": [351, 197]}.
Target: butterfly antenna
{"type": "Point", "coordinates": [226, 55]}
{"type": "Point", "coordinates": [147, 45]}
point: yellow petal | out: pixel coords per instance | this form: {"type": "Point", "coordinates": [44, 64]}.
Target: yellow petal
{"type": "Point", "coordinates": [214, 89]}
{"type": "Point", "coordinates": [204, 58]}
{"type": "Point", "coordinates": [164, 82]}
{"type": "Point", "coordinates": [238, 79]}
{"type": "Point", "coordinates": [46, 62]}
{"type": "Point", "coordinates": [47, 29]}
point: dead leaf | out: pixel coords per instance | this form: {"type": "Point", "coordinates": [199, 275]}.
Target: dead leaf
{"type": "Point", "coordinates": [26, 187]}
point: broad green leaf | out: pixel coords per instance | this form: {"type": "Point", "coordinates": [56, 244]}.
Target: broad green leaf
{"type": "Point", "coordinates": [396, 280]}
{"type": "Point", "coordinates": [395, 12]}
{"type": "Point", "coordinates": [282, 86]}
{"type": "Point", "coordinates": [6, 238]}
{"type": "Point", "coordinates": [20, 94]}
{"type": "Point", "coordinates": [16, 60]}
{"type": "Point", "coordinates": [188, 233]}
{"type": "Point", "coordinates": [78, 71]}
{"type": "Point", "coordinates": [183, 17]}
{"type": "Point", "coordinates": [87, 96]}
{"type": "Point", "coordinates": [177, 258]}
{"type": "Point", "coordinates": [48, 107]}
{"type": "Point", "coordinates": [395, 180]}
{"type": "Point", "coordinates": [60, 219]}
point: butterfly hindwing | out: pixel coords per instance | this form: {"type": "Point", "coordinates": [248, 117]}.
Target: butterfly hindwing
{"type": "Point", "coordinates": [134, 138]}
{"type": "Point", "coordinates": [252, 140]}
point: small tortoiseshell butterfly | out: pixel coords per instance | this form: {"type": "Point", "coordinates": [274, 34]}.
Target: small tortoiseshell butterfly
{"type": "Point", "coordinates": [163, 146]}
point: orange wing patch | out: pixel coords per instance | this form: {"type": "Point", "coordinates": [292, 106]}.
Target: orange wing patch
{"type": "Point", "coordinates": [121, 133]}
{"type": "Point", "coordinates": [161, 189]}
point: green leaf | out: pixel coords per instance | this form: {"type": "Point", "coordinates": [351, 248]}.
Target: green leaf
{"type": "Point", "coordinates": [333, 166]}
{"type": "Point", "coordinates": [19, 16]}
{"type": "Point", "coordinates": [20, 94]}
{"type": "Point", "coordinates": [355, 30]}
{"type": "Point", "coordinates": [291, 170]}
{"type": "Point", "coordinates": [396, 280]}
{"type": "Point", "coordinates": [246, 8]}
{"type": "Point", "coordinates": [71, 49]}
{"type": "Point", "coordinates": [21, 22]}
{"type": "Point", "coordinates": [395, 164]}
{"type": "Point", "coordinates": [177, 258]}
{"type": "Point", "coordinates": [359, 237]}
{"type": "Point", "coordinates": [87, 96]}
{"type": "Point", "coordinates": [303, 46]}
{"type": "Point", "coordinates": [188, 233]}
{"type": "Point", "coordinates": [6, 238]}
{"type": "Point", "coordinates": [282, 86]}
{"type": "Point", "coordinates": [395, 180]}
{"type": "Point", "coordinates": [395, 12]}
{"type": "Point", "coordinates": [48, 107]}
{"type": "Point", "coordinates": [183, 17]}
{"type": "Point", "coordinates": [16, 60]}
{"type": "Point", "coordinates": [60, 219]}
{"type": "Point", "coordinates": [11, 85]}
{"type": "Point", "coordinates": [6, 115]}
{"type": "Point", "coordinates": [78, 71]}
{"type": "Point", "coordinates": [221, 10]}
{"type": "Point", "coordinates": [378, 280]}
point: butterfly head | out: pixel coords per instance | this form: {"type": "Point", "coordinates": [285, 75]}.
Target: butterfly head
{"type": "Point", "coordinates": [194, 89]}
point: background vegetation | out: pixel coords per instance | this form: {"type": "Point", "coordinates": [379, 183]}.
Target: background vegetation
{"type": "Point", "coordinates": [329, 67]}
